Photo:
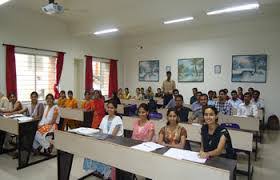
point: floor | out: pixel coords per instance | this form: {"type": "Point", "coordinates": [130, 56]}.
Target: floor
{"type": "Point", "coordinates": [267, 167]}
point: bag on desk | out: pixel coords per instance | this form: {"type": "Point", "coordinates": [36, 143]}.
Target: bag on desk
{"type": "Point", "coordinates": [155, 115]}
{"type": "Point", "coordinates": [130, 110]}
{"type": "Point", "coordinates": [273, 123]}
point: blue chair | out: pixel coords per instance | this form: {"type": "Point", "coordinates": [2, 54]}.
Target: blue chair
{"type": "Point", "coordinates": [230, 125]}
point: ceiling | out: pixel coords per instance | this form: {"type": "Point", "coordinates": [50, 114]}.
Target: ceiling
{"type": "Point", "coordinates": [134, 17]}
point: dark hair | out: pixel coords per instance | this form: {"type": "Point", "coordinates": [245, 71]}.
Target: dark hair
{"type": "Point", "coordinates": [138, 89]}
{"type": "Point", "coordinates": [194, 89]}
{"type": "Point", "coordinates": [34, 93]}
{"type": "Point", "coordinates": [62, 91]}
{"type": "Point", "coordinates": [226, 90]}
{"type": "Point", "coordinates": [179, 96]}
{"type": "Point", "coordinates": [240, 88]}
{"type": "Point", "coordinates": [210, 91]}
{"type": "Point", "coordinates": [222, 90]}
{"type": "Point", "coordinates": [145, 107]}
{"type": "Point", "coordinates": [158, 88]}
{"type": "Point", "coordinates": [204, 95]}
{"type": "Point", "coordinates": [172, 110]}
{"type": "Point", "coordinates": [250, 88]}
{"type": "Point", "coordinates": [113, 103]}
{"type": "Point", "coordinates": [247, 94]}
{"type": "Point", "coordinates": [199, 92]}
{"type": "Point", "coordinates": [168, 72]}
{"type": "Point", "coordinates": [213, 108]}
{"type": "Point", "coordinates": [86, 92]}
{"type": "Point", "coordinates": [12, 94]}
{"type": "Point", "coordinates": [175, 90]}
{"type": "Point", "coordinates": [126, 89]}
{"type": "Point", "coordinates": [233, 91]}
{"type": "Point", "coordinates": [256, 91]}
{"type": "Point", "coordinates": [49, 95]}
{"type": "Point", "coordinates": [70, 92]}
{"type": "Point", "coordinates": [142, 88]}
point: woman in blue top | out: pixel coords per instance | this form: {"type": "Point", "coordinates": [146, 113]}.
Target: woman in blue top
{"type": "Point", "coordinates": [216, 140]}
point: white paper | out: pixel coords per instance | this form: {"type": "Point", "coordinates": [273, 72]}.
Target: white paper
{"type": "Point", "coordinates": [24, 119]}
{"type": "Point", "coordinates": [14, 116]}
{"type": "Point", "coordinates": [147, 146]}
{"type": "Point", "coordinates": [84, 131]}
{"type": "Point", "coordinates": [184, 155]}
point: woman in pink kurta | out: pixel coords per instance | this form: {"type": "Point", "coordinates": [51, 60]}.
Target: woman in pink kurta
{"type": "Point", "coordinates": [143, 129]}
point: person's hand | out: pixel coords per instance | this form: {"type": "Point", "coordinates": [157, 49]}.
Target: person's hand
{"type": "Point", "coordinates": [203, 155]}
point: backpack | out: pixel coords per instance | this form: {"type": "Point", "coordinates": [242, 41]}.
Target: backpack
{"type": "Point", "coordinates": [130, 110]}
{"type": "Point", "coordinates": [152, 106]}
{"type": "Point", "coordinates": [273, 123]}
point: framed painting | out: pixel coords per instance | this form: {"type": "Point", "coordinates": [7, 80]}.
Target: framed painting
{"type": "Point", "coordinates": [191, 70]}
{"type": "Point", "coordinates": [149, 71]}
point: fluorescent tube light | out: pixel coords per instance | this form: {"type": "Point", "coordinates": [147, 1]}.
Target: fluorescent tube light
{"type": "Point", "coordinates": [106, 31]}
{"type": "Point", "coordinates": [235, 8]}
{"type": "Point", "coordinates": [178, 20]}
{"type": "Point", "coordinates": [3, 1]}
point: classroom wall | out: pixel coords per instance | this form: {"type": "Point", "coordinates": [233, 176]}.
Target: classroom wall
{"type": "Point", "coordinates": [26, 28]}
{"type": "Point", "coordinates": [216, 44]}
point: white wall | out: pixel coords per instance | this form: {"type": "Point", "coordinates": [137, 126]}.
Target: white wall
{"type": "Point", "coordinates": [216, 44]}
{"type": "Point", "coordinates": [21, 27]}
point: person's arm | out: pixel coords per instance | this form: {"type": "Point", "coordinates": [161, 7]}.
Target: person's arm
{"type": "Point", "coordinates": [116, 129]}
{"type": "Point", "coordinates": [161, 137]}
{"type": "Point", "coordinates": [55, 115]}
{"type": "Point", "coordinates": [151, 132]}
{"type": "Point", "coordinates": [181, 145]}
{"type": "Point", "coordinates": [16, 108]}
{"type": "Point", "coordinates": [255, 111]}
{"type": "Point", "coordinates": [40, 112]}
{"type": "Point", "coordinates": [217, 151]}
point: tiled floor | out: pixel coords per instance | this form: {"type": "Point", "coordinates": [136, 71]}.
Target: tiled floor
{"type": "Point", "coordinates": [266, 168]}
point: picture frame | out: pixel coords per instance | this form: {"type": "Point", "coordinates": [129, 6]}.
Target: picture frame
{"type": "Point", "coordinates": [168, 68]}
{"type": "Point", "coordinates": [249, 68]}
{"type": "Point", "coordinates": [191, 70]}
{"type": "Point", "coordinates": [148, 71]}
{"type": "Point", "coordinates": [217, 69]}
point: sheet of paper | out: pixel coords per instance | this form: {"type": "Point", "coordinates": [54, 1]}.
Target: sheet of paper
{"type": "Point", "coordinates": [184, 155]}
{"type": "Point", "coordinates": [147, 146]}
{"type": "Point", "coordinates": [24, 119]}
{"type": "Point", "coordinates": [14, 116]}
{"type": "Point", "coordinates": [84, 131]}
{"type": "Point", "coordinates": [153, 145]}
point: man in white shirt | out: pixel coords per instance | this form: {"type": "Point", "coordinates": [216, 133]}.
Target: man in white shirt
{"type": "Point", "coordinates": [257, 100]}
{"type": "Point", "coordinates": [4, 102]}
{"type": "Point", "coordinates": [234, 101]}
{"type": "Point", "coordinates": [168, 86]}
{"type": "Point", "coordinates": [247, 109]}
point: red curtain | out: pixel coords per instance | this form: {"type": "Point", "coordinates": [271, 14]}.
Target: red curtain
{"type": "Point", "coordinates": [113, 77]}
{"type": "Point", "coordinates": [89, 75]}
{"type": "Point", "coordinates": [59, 67]}
{"type": "Point", "coordinates": [11, 73]}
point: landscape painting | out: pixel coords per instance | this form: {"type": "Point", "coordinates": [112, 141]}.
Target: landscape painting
{"type": "Point", "coordinates": [149, 71]}
{"type": "Point", "coordinates": [191, 70]}
{"type": "Point", "coordinates": [249, 68]}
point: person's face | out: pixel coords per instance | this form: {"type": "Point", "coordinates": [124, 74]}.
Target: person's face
{"type": "Point", "coordinates": [234, 96]}
{"type": "Point", "coordinates": [203, 100]}
{"type": "Point", "coordinates": [13, 98]}
{"type": "Point", "coordinates": [176, 93]}
{"type": "Point", "coordinates": [179, 102]}
{"type": "Point", "coordinates": [142, 113]}
{"type": "Point", "coordinates": [49, 100]}
{"type": "Point", "coordinates": [126, 91]}
{"type": "Point", "coordinates": [158, 90]}
{"type": "Point", "coordinates": [138, 91]}
{"type": "Point", "coordinates": [197, 96]}
{"type": "Point", "coordinates": [34, 98]}
{"type": "Point", "coordinates": [211, 94]}
{"type": "Point", "coordinates": [222, 96]}
{"type": "Point", "coordinates": [111, 109]}
{"type": "Point", "coordinates": [172, 118]}
{"type": "Point", "coordinates": [247, 99]}
{"type": "Point", "coordinates": [70, 95]}
{"type": "Point", "coordinates": [120, 90]}
{"type": "Point", "coordinates": [255, 95]}
{"type": "Point", "coordinates": [149, 89]}
{"type": "Point", "coordinates": [87, 96]}
{"type": "Point", "coordinates": [239, 90]}
{"type": "Point", "coordinates": [168, 75]}
{"type": "Point", "coordinates": [96, 94]}
{"type": "Point", "coordinates": [250, 90]}
{"type": "Point", "coordinates": [142, 91]}
{"type": "Point", "coordinates": [194, 91]}
{"type": "Point", "coordinates": [62, 95]}
{"type": "Point", "coordinates": [210, 116]}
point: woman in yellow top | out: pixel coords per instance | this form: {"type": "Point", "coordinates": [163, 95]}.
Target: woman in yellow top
{"type": "Point", "coordinates": [87, 103]}
{"type": "Point", "coordinates": [120, 93]}
{"type": "Point", "coordinates": [126, 94]}
{"type": "Point", "coordinates": [62, 99]}
{"type": "Point", "coordinates": [71, 103]}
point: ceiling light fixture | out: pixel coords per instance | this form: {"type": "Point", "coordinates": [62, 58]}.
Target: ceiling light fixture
{"type": "Point", "coordinates": [178, 20]}
{"type": "Point", "coordinates": [3, 1]}
{"type": "Point", "coordinates": [235, 9]}
{"type": "Point", "coordinates": [106, 31]}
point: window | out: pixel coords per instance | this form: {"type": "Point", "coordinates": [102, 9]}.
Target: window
{"type": "Point", "coordinates": [101, 71]}
{"type": "Point", "coordinates": [35, 73]}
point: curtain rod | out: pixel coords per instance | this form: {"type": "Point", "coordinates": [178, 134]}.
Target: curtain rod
{"type": "Point", "coordinates": [38, 49]}
{"type": "Point", "coordinates": [103, 58]}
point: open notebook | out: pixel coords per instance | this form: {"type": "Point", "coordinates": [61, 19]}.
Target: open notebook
{"type": "Point", "coordinates": [184, 155]}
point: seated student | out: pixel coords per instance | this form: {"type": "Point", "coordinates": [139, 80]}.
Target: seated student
{"type": "Point", "coordinates": [47, 124]}
{"type": "Point", "coordinates": [222, 105]}
{"type": "Point", "coordinates": [197, 116]}
{"type": "Point", "coordinates": [35, 109]}
{"type": "Point", "coordinates": [87, 102]}
{"type": "Point", "coordinates": [14, 105]}
{"type": "Point", "coordinates": [226, 91]}
{"type": "Point", "coordinates": [110, 124]}
{"type": "Point", "coordinates": [214, 138]}
{"type": "Point", "coordinates": [172, 135]}
{"type": "Point", "coordinates": [215, 95]}
{"type": "Point", "coordinates": [257, 100]}
{"type": "Point", "coordinates": [193, 98]}
{"type": "Point", "coordinates": [62, 99]}
{"type": "Point", "coordinates": [143, 92]}
{"type": "Point", "coordinates": [149, 93]}
{"type": "Point", "coordinates": [143, 129]}
{"type": "Point", "coordinates": [138, 95]}
{"type": "Point", "coordinates": [247, 109]}
{"type": "Point", "coordinates": [183, 112]}
{"type": "Point", "coordinates": [251, 91]}
{"type": "Point", "coordinates": [115, 98]}
{"type": "Point", "coordinates": [234, 101]}
{"type": "Point", "coordinates": [120, 93]}
{"type": "Point", "coordinates": [4, 102]}
{"type": "Point", "coordinates": [196, 105]}
{"type": "Point", "coordinates": [211, 101]}
{"type": "Point", "coordinates": [126, 94]}
{"type": "Point", "coordinates": [159, 93]}
{"type": "Point", "coordinates": [71, 103]}
{"type": "Point", "coordinates": [240, 93]}
{"type": "Point", "coordinates": [98, 109]}
{"type": "Point", "coordinates": [172, 103]}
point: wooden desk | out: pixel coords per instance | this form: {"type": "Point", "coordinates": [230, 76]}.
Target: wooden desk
{"type": "Point", "coordinates": [116, 152]}
{"type": "Point", "coordinates": [25, 133]}
{"type": "Point", "coordinates": [133, 101]}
